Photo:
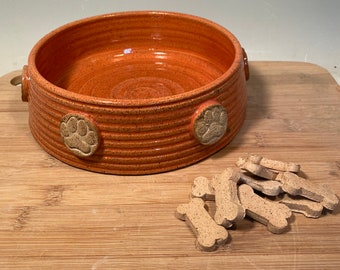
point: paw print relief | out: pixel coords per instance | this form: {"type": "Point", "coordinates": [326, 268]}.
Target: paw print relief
{"type": "Point", "coordinates": [210, 123]}
{"type": "Point", "coordinates": [79, 134]}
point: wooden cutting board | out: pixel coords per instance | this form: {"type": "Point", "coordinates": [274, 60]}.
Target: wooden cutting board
{"type": "Point", "coordinates": [53, 216]}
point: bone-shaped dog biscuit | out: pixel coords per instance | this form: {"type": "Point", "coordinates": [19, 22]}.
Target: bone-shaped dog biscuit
{"type": "Point", "coordinates": [222, 189]}
{"type": "Point", "coordinates": [267, 187]}
{"type": "Point", "coordinates": [295, 185]}
{"type": "Point", "coordinates": [274, 164]}
{"type": "Point", "coordinates": [202, 189]}
{"type": "Point", "coordinates": [228, 207]}
{"type": "Point", "coordinates": [272, 214]}
{"type": "Point", "coordinates": [209, 234]}
{"type": "Point", "coordinates": [304, 206]}
{"type": "Point", "coordinates": [255, 169]}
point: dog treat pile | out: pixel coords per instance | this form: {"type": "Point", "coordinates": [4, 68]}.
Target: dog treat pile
{"type": "Point", "coordinates": [241, 191]}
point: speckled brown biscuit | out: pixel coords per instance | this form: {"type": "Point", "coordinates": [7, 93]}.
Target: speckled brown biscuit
{"type": "Point", "coordinates": [223, 190]}
{"type": "Point", "coordinates": [276, 165]}
{"type": "Point", "coordinates": [295, 185]}
{"type": "Point", "coordinates": [202, 189]}
{"type": "Point", "coordinates": [304, 206]}
{"type": "Point", "coordinates": [209, 234]}
{"type": "Point", "coordinates": [267, 187]}
{"type": "Point", "coordinates": [228, 207]}
{"type": "Point", "coordinates": [256, 169]}
{"type": "Point", "coordinates": [270, 213]}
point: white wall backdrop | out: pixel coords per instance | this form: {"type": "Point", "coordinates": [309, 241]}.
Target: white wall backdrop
{"type": "Point", "coordinates": [290, 30]}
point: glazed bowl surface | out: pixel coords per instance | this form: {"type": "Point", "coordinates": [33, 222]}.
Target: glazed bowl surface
{"type": "Point", "coordinates": [136, 92]}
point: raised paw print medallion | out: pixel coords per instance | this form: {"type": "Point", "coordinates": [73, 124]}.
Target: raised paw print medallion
{"type": "Point", "coordinates": [79, 134]}
{"type": "Point", "coordinates": [209, 123]}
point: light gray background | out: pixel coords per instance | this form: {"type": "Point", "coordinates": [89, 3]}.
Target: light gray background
{"type": "Point", "coordinates": [289, 30]}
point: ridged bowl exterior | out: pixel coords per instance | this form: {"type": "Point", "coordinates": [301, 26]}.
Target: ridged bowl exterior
{"type": "Point", "coordinates": [138, 136]}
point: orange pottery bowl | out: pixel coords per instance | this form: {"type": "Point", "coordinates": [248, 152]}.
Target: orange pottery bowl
{"type": "Point", "coordinates": [136, 92]}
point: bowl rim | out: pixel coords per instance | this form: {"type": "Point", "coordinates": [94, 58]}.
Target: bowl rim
{"type": "Point", "coordinates": [39, 79]}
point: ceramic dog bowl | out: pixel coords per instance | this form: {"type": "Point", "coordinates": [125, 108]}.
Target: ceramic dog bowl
{"type": "Point", "coordinates": [135, 92]}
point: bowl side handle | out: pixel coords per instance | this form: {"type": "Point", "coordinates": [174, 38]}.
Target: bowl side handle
{"type": "Point", "coordinates": [246, 65]}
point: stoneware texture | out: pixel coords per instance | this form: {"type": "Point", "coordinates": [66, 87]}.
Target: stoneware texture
{"type": "Point", "coordinates": [136, 92]}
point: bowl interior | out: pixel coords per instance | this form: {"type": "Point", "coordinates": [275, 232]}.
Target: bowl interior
{"type": "Point", "coordinates": [135, 56]}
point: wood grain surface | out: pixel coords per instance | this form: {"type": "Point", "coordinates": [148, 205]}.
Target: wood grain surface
{"type": "Point", "coordinates": [54, 216]}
